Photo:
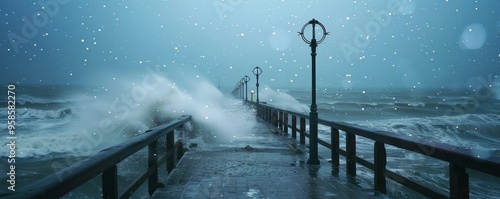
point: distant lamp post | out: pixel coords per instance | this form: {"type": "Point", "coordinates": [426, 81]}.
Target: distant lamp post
{"type": "Point", "coordinates": [251, 95]}
{"type": "Point", "coordinates": [242, 89]}
{"type": "Point", "coordinates": [246, 78]}
{"type": "Point", "coordinates": [313, 115]}
{"type": "Point", "coordinates": [257, 71]}
{"type": "Point", "coordinates": [239, 89]}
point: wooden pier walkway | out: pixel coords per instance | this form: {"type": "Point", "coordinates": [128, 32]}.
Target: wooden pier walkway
{"type": "Point", "coordinates": [261, 165]}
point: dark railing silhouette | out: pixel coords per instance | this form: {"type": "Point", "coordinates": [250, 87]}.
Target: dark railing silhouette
{"type": "Point", "coordinates": [105, 163]}
{"type": "Point", "coordinates": [459, 159]}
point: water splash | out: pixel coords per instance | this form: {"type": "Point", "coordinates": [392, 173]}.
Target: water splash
{"type": "Point", "coordinates": [282, 100]}
{"type": "Point", "coordinates": [106, 117]}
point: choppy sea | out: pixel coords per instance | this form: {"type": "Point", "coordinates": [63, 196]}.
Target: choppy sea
{"type": "Point", "coordinates": [59, 125]}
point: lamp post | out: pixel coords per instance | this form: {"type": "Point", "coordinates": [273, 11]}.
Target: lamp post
{"type": "Point", "coordinates": [246, 78]}
{"type": "Point", "coordinates": [313, 115]}
{"type": "Point", "coordinates": [239, 89]}
{"type": "Point", "coordinates": [251, 96]}
{"type": "Point", "coordinates": [257, 71]}
{"type": "Point", "coordinates": [242, 89]}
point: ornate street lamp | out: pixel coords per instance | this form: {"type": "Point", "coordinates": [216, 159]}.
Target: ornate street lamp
{"type": "Point", "coordinates": [242, 89]}
{"type": "Point", "coordinates": [257, 71]}
{"type": "Point", "coordinates": [246, 78]}
{"type": "Point", "coordinates": [313, 115]}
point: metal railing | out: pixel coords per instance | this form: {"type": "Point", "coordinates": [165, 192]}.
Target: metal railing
{"type": "Point", "coordinates": [105, 163]}
{"type": "Point", "coordinates": [459, 159]}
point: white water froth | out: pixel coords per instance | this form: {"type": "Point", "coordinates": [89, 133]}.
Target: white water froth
{"type": "Point", "coordinates": [281, 99]}
{"type": "Point", "coordinates": [111, 117]}
{"type": "Point", "coordinates": [450, 130]}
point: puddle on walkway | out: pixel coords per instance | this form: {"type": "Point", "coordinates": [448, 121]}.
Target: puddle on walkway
{"type": "Point", "coordinates": [253, 193]}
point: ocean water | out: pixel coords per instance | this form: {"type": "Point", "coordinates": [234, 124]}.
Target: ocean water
{"type": "Point", "coordinates": [461, 117]}
{"type": "Point", "coordinates": [57, 126]}
{"type": "Point", "coordinates": [91, 74]}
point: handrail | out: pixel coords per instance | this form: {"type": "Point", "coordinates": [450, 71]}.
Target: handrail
{"type": "Point", "coordinates": [459, 158]}
{"type": "Point", "coordinates": [105, 162]}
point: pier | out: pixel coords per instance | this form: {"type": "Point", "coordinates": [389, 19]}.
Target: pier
{"type": "Point", "coordinates": [267, 164]}
{"type": "Point", "coordinates": [270, 163]}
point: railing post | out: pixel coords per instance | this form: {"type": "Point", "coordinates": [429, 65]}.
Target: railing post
{"type": "Point", "coordinates": [258, 110]}
{"type": "Point", "coordinates": [380, 161]}
{"type": "Point", "coordinates": [334, 133]}
{"type": "Point", "coordinates": [302, 130]}
{"type": "Point", "coordinates": [270, 115]}
{"type": "Point", "coordinates": [275, 118]}
{"type": "Point", "coordinates": [294, 127]}
{"type": "Point", "coordinates": [261, 109]}
{"type": "Point", "coordinates": [153, 164]}
{"type": "Point", "coordinates": [263, 113]}
{"type": "Point", "coordinates": [170, 146]}
{"type": "Point", "coordinates": [280, 120]}
{"type": "Point", "coordinates": [285, 122]}
{"type": "Point", "coordinates": [459, 182]}
{"type": "Point", "coordinates": [110, 183]}
{"type": "Point", "coordinates": [351, 153]}
{"type": "Point", "coordinates": [180, 151]}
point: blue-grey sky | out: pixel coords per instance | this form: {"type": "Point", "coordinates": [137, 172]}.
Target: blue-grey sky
{"type": "Point", "coordinates": [377, 43]}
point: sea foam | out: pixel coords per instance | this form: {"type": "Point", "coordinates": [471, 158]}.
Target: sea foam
{"type": "Point", "coordinates": [109, 117]}
{"type": "Point", "coordinates": [282, 100]}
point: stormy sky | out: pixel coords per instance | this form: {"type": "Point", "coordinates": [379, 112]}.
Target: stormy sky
{"type": "Point", "coordinates": [378, 43]}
